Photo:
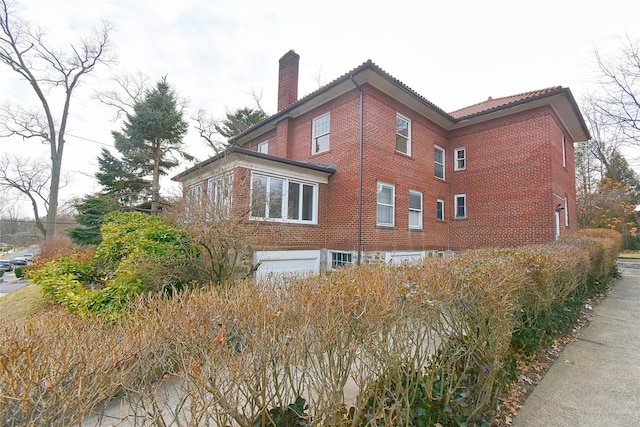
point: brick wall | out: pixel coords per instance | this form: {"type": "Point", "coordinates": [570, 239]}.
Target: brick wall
{"type": "Point", "coordinates": [513, 178]}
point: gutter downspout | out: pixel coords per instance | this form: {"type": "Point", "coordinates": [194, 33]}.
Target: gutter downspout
{"type": "Point", "coordinates": [360, 153]}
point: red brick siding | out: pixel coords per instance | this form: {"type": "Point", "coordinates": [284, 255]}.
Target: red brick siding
{"type": "Point", "coordinates": [514, 166]}
{"type": "Point", "coordinates": [508, 181]}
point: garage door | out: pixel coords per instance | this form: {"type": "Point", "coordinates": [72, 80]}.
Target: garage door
{"type": "Point", "coordinates": [283, 263]}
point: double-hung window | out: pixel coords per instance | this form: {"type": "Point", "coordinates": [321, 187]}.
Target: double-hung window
{"type": "Point", "coordinates": [460, 159]}
{"type": "Point", "coordinates": [263, 147]}
{"type": "Point", "coordinates": [386, 204]}
{"type": "Point", "coordinates": [403, 135]}
{"type": "Point", "coordinates": [415, 209]}
{"type": "Point", "coordinates": [282, 199]}
{"type": "Point", "coordinates": [438, 162]}
{"type": "Point", "coordinates": [440, 210]}
{"type": "Point", "coordinates": [321, 129]}
{"type": "Point", "coordinates": [460, 205]}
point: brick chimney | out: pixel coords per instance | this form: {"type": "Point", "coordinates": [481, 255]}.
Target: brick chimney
{"type": "Point", "coordinates": [288, 79]}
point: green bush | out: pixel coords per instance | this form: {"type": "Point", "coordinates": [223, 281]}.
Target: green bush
{"type": "Point", "coordinates": [19, 271]}
{"type": "Point", "coordinates": [2, 271]}
{"type": "Point", "coordinates": [138, 253]}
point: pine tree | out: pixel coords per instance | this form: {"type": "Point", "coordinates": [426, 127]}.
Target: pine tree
{"type": "Point", "coordinates": [148, 142]}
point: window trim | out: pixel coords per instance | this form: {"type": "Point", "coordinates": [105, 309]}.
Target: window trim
{"type": "Point", "coordinates": [463, 159]}
{"type": "Point", "coordinates": [441, 202]}
{"type": "Point", "coordinates": [566, 212]}
{"type": "Point", "coordinates": [408, 120]}
{"type": "Point", "coordinates": [314, 136]}
{"type": "Point", "coordinates": [564, 152]}
{"type": "Point", "coordinates": [456, 206]}
{"type": "Point", "coordinates": [419, 226]}
{"type": "Point", "coordinates": [392, 205]}
{"type": "Point", "coordinates": [444, 158]}
{"type": "Point", "coordinates": [284, 214]}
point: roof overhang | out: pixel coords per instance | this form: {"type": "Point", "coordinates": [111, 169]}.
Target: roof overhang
{"type": "Point", "coordinates": [561, 101]}
{"type": "Point", "coordinates": [235, 157]}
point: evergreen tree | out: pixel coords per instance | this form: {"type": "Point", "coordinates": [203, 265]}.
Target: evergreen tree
{"type": "Point", "coordinates": [148, 142]}
{"type": "Point", "coordinates": [239, 121]}
{"type": "Point", "coordinates": [91, 212]}
{"type": "Point", "coordinates": [121, 182]}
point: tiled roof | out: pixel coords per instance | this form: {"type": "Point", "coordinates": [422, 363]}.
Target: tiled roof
{"type": "Point", "coordinates": [496, 103]}
{"type": "Point", "coordinates": [366, 65]}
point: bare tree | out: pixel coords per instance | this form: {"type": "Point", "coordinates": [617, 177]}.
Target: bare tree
{"type": "Point", "coordinates": [620, 81]}
{"type": "Point", "coordinates": [26, 52]}
{"type": "Point", "coordinates": [28, 178]}
{"type": "Point", "coordinates": [216, 132]}
{"type": "Point", "coordinates": [130, 90]}
{"type": "Point", "coordinates": [607, 138]}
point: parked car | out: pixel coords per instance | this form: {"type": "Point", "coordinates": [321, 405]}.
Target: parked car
{"type": "Point", "coordinates": [28, 257]}
{"type": "Point", "coordinates": [5, 265]}
{"type": "Point", "coordinates": [19, 261]}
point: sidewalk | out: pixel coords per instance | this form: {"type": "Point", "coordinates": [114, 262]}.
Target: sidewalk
{"type": "Point", "coordinates": [596, 379]}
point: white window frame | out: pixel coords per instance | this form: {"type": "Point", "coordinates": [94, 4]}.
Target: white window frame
{"type": "Point", "coordinates": [380, 186]}
{"type": "Point", "coordinates": [408, 138]}
{"type": "Point", "coordinates": [456, 205]}
{"type": "Point", "coordinates": [564, 152]}
{"type": "Point", "coordinates": [458, 159]}
{"type": "Point", "coordinates": [419, 211]}
{"type": "Point", "coordinates": [436, 147]}
{"type": "Point", "coordinates": [566, 212]}
{"type": "Point", "coordinates": [317, 134]}
{"type": "Point", "coordinates": [338, 263]}
{"type": "Point", "coordinates": [441, 203]}
{"type": "Point", "coordinates": [194, 193]}
{"type": "Point", "coordinates": [219, 196]}
{"type": "Point", "coordinates": [284, 206]}
{"type": "Point", "coordinates": [263, 147]}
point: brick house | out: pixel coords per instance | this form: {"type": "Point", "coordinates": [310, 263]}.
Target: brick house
{"type": "Point", "coordinates": [365, 169]}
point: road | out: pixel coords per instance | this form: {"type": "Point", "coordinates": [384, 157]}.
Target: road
{"type": "Point", "coordinates": [8, 282]}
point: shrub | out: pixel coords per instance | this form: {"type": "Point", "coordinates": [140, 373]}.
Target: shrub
{"type": "Point", "coordinates": [369, 345]}
{"type": "Point", "coordinates": [2, 271]}
{"type": "Point", "coordinates": [19, 271]}
{"type": "Point", "coordinates": [138, 253]}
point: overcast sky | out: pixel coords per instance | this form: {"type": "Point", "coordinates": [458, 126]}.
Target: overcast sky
{"type": "Point", "coordinates": [216, 53]}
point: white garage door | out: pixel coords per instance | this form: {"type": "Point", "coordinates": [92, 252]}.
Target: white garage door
{"type": "Point", "coordinates": [402, 257]}
{"type": "Point", "coordinates": [279, 263]}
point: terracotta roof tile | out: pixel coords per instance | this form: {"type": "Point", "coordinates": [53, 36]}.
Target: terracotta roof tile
{"type": "Point", "coordinates": [495, 103]}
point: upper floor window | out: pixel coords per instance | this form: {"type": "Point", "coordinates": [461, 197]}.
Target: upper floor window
{"type": "Point", "coordinates": [415, 209]}
{"type": "Point", "coordinates": [438, 162]}
{"type": "Point", "coordinates": [564, 153]}
{"type": "Point", "coordinates": [321, 130]}
{"type": "Point", "coordinates": [386, 204]}
{"type": "Point", "coordinates": [282, 199]}
{"type": "Point", "coordinates": [403, 135]}
{"type": "Point", "coordinates": [460, 205]}
{"type": "Point", "coordinates": [460, 159]}
{"type": "Point", "coordinates": [263, 147]}
{"type": "Point", "coordinates": [440, 210]}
